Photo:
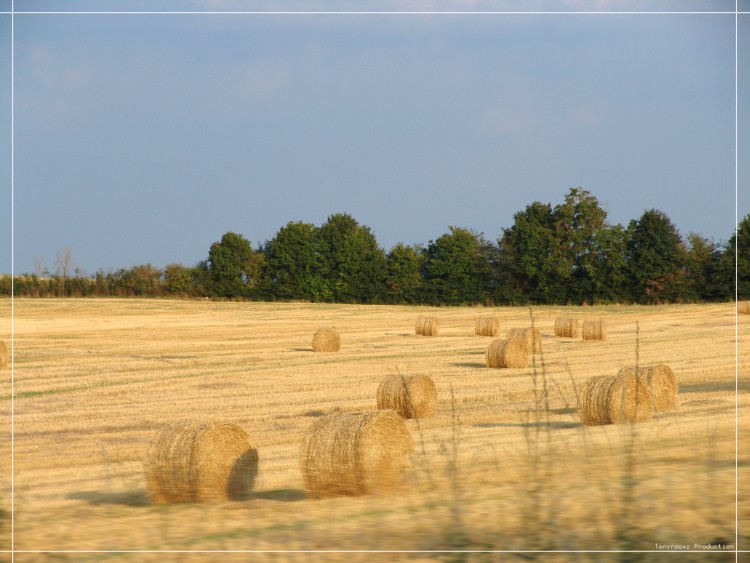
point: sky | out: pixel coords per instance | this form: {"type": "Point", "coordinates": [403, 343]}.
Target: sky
{"type": "Point", "coordinates": [144, 137]}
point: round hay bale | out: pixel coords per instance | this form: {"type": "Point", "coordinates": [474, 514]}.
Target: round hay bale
{"type": "Point", "coordinates": [427, 326]}
{"type": "Point", "coordinates": [326, 340]}
{"type": "Point", "coordinates": [743, 307]}
{"type": "Point", "coordinates": [487, 326]}
{"type": "Point", "coordinates": [411, 397]}
{"type": "Point", "coordinates": [355, 453]}
{"type": "Point", "coordinates": [3, 355]}
{"type": "Point", "coordinates": [531, 337]}
{"type": "Point", "coordinates": [614, 400]}
{"type": "Point", "coordinates": [594, 330]}
{"type": "Point", "coordinates": [204, 462]}
{"type": "Point", "coordinates": [661, 382]}
{"type": "Point", "coordinates": [507, 353]}
{"type": "Point", "coordinates": [566, 327]}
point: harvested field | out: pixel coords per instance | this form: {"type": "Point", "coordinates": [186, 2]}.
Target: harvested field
{"type": "Point", "coordinates": [502, 464]}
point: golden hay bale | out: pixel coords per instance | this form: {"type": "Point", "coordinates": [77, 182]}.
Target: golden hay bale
{"type": "Point", "coordinates": [427, 326]}
{"type": "Point", "coordinates": [326, 340]}
{"type": "Point", "coordinates": [661, 382]}
{"type": "Point", "coordinates": [507, 353]}
{"type": "Point", "coordinates": [3, 355]}
{"type": "Point", "coordinates": [411, 397]}
{"type": "Point", "coordinates": [203, 462]}
{"type": "Point", "coordinates": [531, 337]}
{"type": "Point", "coordinates": [594, 330]}
{"type": "Point", "coordinates": [614, 400]}
{"type": "Point", "coordinates": [355, 453]}
{"type": "Point", "coordinates": [743, 307]}
{"type": "Point", "coordinates": [565, 327]}
{"type": "Point", "coordinates": [487, 326]}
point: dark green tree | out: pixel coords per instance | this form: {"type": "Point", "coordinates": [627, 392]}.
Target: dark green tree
{"type": "Point", "coordinates": [356, 265]}
{"type": "Point", "coordinates": [529, 260]}
{"type": "Point", "coordinates": [656, 257]}
{"type": "Point", "coordinates": [736, 260]}
{"type": "Point", "coordinates": [233, 266]}
{"type": "Point", "coordinates": [583, 247]}
{"type": "Point", "coordinates": [404, 273]}
{"type": "Point", "coordinates": [705, 277]}
{"type": "Point", "coordinates": [455, 269]}
{"type": "Point", "coordinates": [295, 264]}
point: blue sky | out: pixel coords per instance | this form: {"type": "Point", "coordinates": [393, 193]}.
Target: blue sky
{"type": "Point", "coordinates": [144, 137]}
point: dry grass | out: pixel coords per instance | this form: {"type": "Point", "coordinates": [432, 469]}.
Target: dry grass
{"type": "Point", "coordinates": [96, 379]}
{"type": "Point", "coordinates": [507, 353]}
{"type": "Point", "coordinates": [661, 382]}
{"type": "Point", "coordinates": [531, 338]}
{"type": "Point", "coordinates": [203, 462]}
{"type": "Point", "coordinates": [487, 326]}
{"type": "Point", "coordinates": [594, 330]}
{"type": "Point", "coordinates": [566, 327]}
{"type": "Point", "coordinates": [355, 454]}
{"type": "Point", "coordinates": [326, 340]}
{"type": "Point", "coordinates": [3, 355]}
{"type": "Point", "coordinates": [614, 400]}
{"type": "Point", "coordinates": [427, 326]}
{"type": "Point", "coordinates": [414, 396]}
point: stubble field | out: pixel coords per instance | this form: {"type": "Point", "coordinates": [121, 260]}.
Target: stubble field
{"type": "Point", "coordinates": [504, 465]}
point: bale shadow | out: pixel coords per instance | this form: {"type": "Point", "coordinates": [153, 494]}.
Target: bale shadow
{"type": "Point", "coordinates": [564, 410]}
{"type": "Point", "coordinates": [556, 425]}
{"type": "Point", "coordinates": [136, 497]}
{"type": "Point", "coordinates": [302, 350]}
{"type": "Point", "coordinates": [281, 495]}
{"type": "Point", "coordinates": [242, 476]}
{"type": "Point", "coordinates": [728, 386]}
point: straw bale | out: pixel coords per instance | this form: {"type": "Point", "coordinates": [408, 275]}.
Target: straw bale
{"type": "Point", "coordinates": [614, 400]}
{"type": "Point", "coordinates": [743, 307]}
{"type": "Point", "coordinates": [487, 326]}
{"type": "Point", "coordinates": [201, 462]}
{"type": "Point", "coordinates": [531, 337]}
{"type": "Point", "coordinates": [326, 340]}
{"type": "Point", "coordinates": [427, 326]}
{"type": "Point", "coordinates": [411, 397]}
{"type": "Point", "coordinates": [566, 327]}
{"type": "Point", "coordinates": [3, 355]}
{"type": "Point", "coordinates": [661, 382]}
{"type": "Point", "coordinates": [355, 453]}
{"type": "Point", "coordinates": [507, 353]}
{"type": "Point", "coordinates": [594, 330]}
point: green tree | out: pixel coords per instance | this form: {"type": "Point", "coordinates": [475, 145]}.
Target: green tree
{"type": "Point", "coordinates": [583, 247]}
{"type": "Point", "coordinates": [655, 258]}
{"type": "Point", "coordinates": [355, 263]}
{"type": "Point", "coordinates": [233, 266]}
{"type": "Point", "coordinates": [455, 269]}
{"type": "Point", "coordinates": [183, 281]}
{"type": "Point", "coordinates": [404, 273]}
{"type": "Point", "coordinates": [736, 260]}
{"type": "Point", "coordinates": [295, 264]}
{"type": "Point", "coordinates": [704, 271]}
{"type": "Point", "coordinates": [528, 258]}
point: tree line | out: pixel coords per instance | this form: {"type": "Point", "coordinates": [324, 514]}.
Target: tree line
{"type": "Point", "coordinates": [563, 254]}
